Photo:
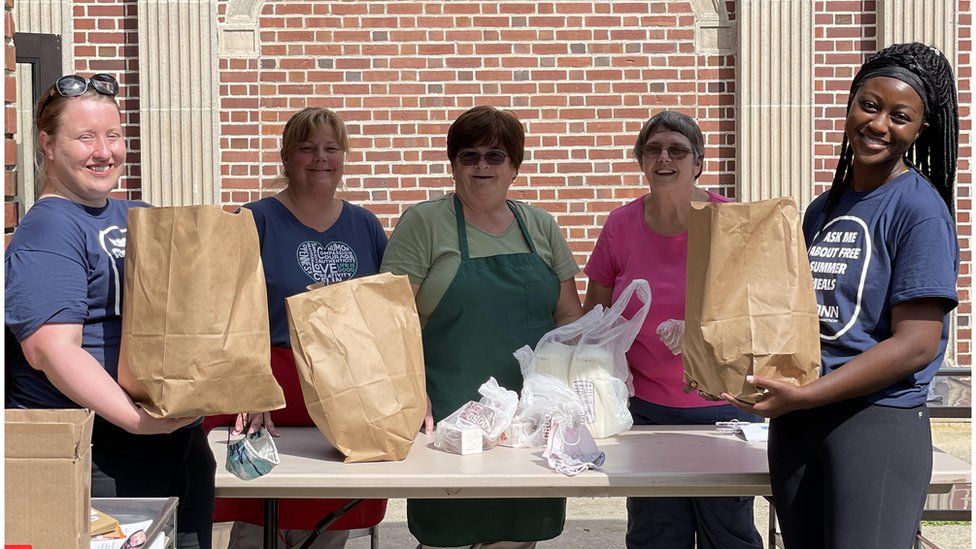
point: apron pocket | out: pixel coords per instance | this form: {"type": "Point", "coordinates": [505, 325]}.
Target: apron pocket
{"type": "Point", "coordinates": [537, 311]}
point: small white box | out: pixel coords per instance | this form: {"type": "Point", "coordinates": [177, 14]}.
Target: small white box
{"type": "Point", "coordinates": [458, 440]}
{"type": "Point", "coordinates": [471, 441]}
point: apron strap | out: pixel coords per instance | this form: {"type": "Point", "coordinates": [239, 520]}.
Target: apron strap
{"type": "Point", "coordinates": [462, 231]}
{"type": "Point", "coordinates": [521, 224]}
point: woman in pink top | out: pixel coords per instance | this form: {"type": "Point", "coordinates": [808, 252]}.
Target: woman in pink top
{"type": "Point", "coordinates": [648, 238]}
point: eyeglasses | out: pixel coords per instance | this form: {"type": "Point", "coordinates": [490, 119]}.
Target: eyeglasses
{"type": "Point", "coordinates": [473, 158]}
{"type": "Point", "coordinates": [73, 85]}
{"type": "Point", "coordinates": [677, 153]}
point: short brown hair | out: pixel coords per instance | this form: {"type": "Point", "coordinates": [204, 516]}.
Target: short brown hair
{"type": "Point", "coordinates": [487, 126]}
{"type": "Point", "coordinates": [307, 121]}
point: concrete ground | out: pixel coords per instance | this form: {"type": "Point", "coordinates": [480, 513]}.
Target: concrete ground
{"type": "Point", "coordinates": [602, 522]}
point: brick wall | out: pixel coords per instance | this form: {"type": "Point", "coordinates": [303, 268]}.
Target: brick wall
{"type": "Point", "coordinates": [9, 125]}
{"type": "Point", "coordinates": [106, 40]}
{"type": "Point", "coordinates": [582, 76]}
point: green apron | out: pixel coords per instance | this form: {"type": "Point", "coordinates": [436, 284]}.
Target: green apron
{"type": "Point", "coordinates": [493, 306]}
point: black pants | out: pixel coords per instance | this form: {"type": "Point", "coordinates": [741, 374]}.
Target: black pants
{"type": "Point", "coordinates": [674, 523]}
{"type": "Point", "coordinates": [178, 464]}
{"type": "Point", "coordinates": [850, 475]}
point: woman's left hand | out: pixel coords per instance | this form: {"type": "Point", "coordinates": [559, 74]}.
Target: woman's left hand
{"type": "Point", "coordinates": [781, 398]}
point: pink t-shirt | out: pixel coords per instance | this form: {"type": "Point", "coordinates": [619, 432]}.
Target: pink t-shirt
{"type": "Point", "coordinates": [629, 249]}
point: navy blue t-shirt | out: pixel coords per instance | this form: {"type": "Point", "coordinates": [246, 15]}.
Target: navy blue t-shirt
{"type": "Point", "coordinates": [64, 265]}
{"type": "Point", "coordinates": [880, 248]}
{"type": "Point", "coordinates": [295, 255]}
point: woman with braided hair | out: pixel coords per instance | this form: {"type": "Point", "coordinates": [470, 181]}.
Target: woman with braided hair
{"type": "Point", "coordinates": [850, 455]}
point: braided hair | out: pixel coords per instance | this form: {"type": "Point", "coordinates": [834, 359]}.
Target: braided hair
{"type": "Point", "coordinates": [934, 152]}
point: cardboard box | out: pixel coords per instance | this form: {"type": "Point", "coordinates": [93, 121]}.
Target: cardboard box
{"type": "Point", "coordinates": [48, 478]}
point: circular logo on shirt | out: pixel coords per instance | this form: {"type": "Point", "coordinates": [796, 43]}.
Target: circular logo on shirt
{"type": "Point", "coordinates": [840, 255]}
{"type": "Point", "coordinates": [333, 262]}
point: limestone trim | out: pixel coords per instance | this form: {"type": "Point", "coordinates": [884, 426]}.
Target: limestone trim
{"type": "Point", "coordinates": [714, 33]}
{"type": "Point", "coordinates": [932, 22]}
{"type": "Point", "coordinates": [178, 104]}
{"type": "Point", "coordinates": [49, 17]}
{"type": "Point", "coordinates": [239, 34]}
{"type": "Point", "coordinates": [775, 100]}
{"type": "Point", "coordinates": [24, 138]}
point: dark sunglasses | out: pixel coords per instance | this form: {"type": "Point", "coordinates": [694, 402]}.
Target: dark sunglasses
{"type": "Point", "coordinates": [677, 153]}
{"type": "Point", "coordinates": [472, 158]}
{"type": "Point", "coordinates": [73, 85]}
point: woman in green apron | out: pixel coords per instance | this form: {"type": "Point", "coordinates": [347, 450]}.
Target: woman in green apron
{"type": "Point", "coordinates": [490, 275]}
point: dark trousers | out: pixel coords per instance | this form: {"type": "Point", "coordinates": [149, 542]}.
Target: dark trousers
{"type": "Point", "coordinates": [178, 464]}
{"type": "Point", "coordinates": [850, 475]}
{"type": "Point", "coordinates": [674, 523]}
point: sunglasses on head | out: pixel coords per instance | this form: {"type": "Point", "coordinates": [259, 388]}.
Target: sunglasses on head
{"type": "Point", "coordinates": [473, 158]}
{"type": "Point", "coordinates": [73, 85]}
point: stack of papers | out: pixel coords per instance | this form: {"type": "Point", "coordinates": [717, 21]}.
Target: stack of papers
{"type": "Point", "coordinates": [104, 525]}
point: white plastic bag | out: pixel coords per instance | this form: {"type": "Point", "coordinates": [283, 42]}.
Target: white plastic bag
{"type": "Point", "coordinates": [543, 399]}
{"type": "Point", "coordinates": [571, 449]}
{"type": "Point", "coordinates": [553, 353]}
{"type": "Point", "coordinates": [491, 416]}
{"type": "Point", "coordinates": [599, 373]}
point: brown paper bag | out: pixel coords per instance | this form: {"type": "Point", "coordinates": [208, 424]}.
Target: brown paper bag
{"type": "Point", "coordinates": [360, 360]}
{"type": "Point", "coordinates": [749, 301]}
{"type": "Point", "coordinates": [195, 336]}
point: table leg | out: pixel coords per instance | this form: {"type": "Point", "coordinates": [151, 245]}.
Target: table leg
{"type": "Point", "coordinates": [328, 520]}
{"type": "Point", "coordinates": [270, 523]}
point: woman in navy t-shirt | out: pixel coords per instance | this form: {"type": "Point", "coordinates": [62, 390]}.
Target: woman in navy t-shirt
{"type": "Point", "coordinates": [307, 235]}
{"type": "Point", "coordinates": [850, 455]}
{"type": "Point", "coordinates": [64, 272]}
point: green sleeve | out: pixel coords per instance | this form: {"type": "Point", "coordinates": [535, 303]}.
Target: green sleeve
{"type": "Point", "coordinates": [563, 261]}
{"type": "Point", "coordinates": [410, 248]}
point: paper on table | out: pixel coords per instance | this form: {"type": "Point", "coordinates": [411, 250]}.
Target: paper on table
{"type": "Point", "coordinates": [756, 432]}
{"type": "Point", "coordinates": [128, 529]}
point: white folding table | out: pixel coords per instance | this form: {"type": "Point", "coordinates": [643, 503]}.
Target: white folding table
{"type": "Point", "coordinates": [646, 461]}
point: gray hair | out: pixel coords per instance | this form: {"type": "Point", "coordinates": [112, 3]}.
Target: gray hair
{"type": "Point", "coordinates": [676, 122]}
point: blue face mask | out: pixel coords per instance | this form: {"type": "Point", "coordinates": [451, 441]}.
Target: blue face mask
{"type": "Point", "coordinates": [252, 456]}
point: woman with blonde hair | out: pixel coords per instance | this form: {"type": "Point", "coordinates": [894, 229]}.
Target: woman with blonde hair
{"type": "Point", "coordinates": [307, 235]}
{"type": "Point", "coordinates": [64, 268]}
